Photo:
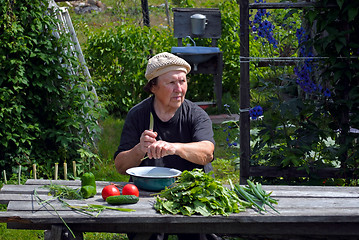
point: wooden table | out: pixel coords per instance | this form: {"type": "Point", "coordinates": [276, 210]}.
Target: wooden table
{"type": "Point", "coordinates": [305, 212]}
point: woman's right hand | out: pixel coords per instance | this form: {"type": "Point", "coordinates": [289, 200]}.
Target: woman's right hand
{"type": "Point", "coordinates": [147, 138]}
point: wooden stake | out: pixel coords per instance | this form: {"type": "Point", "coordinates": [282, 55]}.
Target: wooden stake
{"type": "Point", "coordinates": [19, 175]}
{"type": "Point", "coordinates": [167, 14]}
{"type": "Point", "coordinates": [65, 171]}
{"type": "Point", "coordinates": [56, 170]}
{"type": "Point", "coordinates": [74, 168]}
{"type": "Point", "coordinates": [34, 171]}
{"type": "Point", "coordinates": [4, 173]}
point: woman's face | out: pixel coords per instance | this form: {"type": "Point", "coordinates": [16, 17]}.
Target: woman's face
{"type": "Point", "coordinates": [170, 90]}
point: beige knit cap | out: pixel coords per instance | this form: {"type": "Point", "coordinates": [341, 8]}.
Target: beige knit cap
{"type": "Point", "coordinates": [163, 63]}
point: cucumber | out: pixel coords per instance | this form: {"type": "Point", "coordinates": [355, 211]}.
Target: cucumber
{"type": "Point", "coordinates": [122, 199]}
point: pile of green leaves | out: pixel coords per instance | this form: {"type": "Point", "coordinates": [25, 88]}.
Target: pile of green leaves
{"type": "Point", "coordinates": [196, 192]}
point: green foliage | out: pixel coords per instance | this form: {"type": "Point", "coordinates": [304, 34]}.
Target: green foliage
{"type": "Point", "coordinates": [117, 58]}
{"type": "Point", "coordinates": [229, 44]}
{"type": "Point", "coordinates": [285, 22]}
{"type": "Point", "coordinates": [196, 192]}
{"type": "Point", "coordinates": [307, 129]}
{"type": "Point", "coordinates": [46, 112]}
{"type": "Point", "coordinates": [337, 35]}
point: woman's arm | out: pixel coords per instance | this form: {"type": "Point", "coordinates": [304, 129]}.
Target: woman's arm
{"type": "Point", "coordinates": [132, 158]}
{"type": "Point", "coordinates": [197, 152]}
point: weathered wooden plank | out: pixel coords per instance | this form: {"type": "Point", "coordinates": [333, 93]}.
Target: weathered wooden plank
{"type": "Point", "coordinates": [250, 229]}
{"type": "Point", "coordinates": [276, 171]}
{"type": "Point", "coordinates": [33, 205]}
{"type": "Point", "coordinates": [146, 203]}
{"type": "Point", "coordinates": [309, 207]}
{"type": "Point", "coordinates": [312, 191]}
{"type": "Point", "coordinates": [244, 92]}
{"type": "Point", "coordinates": [286, 5]}
{"type": "Point", "coordinates": [281, 5]}
{"type": "Point", "coordinates": [313, 194]}
{"type": "Point", "coordinates": [40, 189]}
{"type": "Point", "coordinates": [145, 216]}
{"type": "Point", "coordinates": [67, 182]}
{"type": "Point", "coordinates": [276, 187]}
{"type": "Point", "coordinates": [6, 198]}
{"type": "Point", "coordinates": [27, 189]}
{"type": "Point", "coordinates": [49, 181]}
{"type": "Point", "coordinates": [278, 190]}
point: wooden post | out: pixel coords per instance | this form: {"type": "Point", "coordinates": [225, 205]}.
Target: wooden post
{"type": "Point", "coordinates": [19, 175]}
{"type": "Point", "coordinates": [167, 14]}
{"type": "Point", "coordinates": [145, 13]}
{"type": "Point", "coordinates": [65, 171]}
{"type": "Point", "coordinates": [74, 168]}
{"type": "Point", "coordinates": [4, 173]}
{"type": "Point", "coordinates": [244, 92]}
{"type": "Point", "coordinates": [34, 171]}
{"type": "Point", "coordinates": [56, 170]}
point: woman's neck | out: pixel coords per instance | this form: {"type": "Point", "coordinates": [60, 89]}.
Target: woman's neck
{"type": "Point", "coordinates": [165, 114]}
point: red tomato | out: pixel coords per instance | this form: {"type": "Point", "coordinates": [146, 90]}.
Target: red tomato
{"type": "Point", "coordinates": [110, 190]}
{"type": "Point", "coordinates": [130, 189]}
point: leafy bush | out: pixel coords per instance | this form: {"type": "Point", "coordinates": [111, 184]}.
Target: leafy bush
{"type": "Point", "coordinates": [117, 58]}
{"type": "Point", "coordinates": [47, 114]}
{"type": "Point", "coordinates": [311, 111]}
{"type": "Point", "coordinates": [337, 35]}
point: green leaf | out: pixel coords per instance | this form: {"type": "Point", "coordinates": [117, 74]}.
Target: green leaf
{"type": "Point", "coordinates": [352, 13]}
{"type": "Point", "coordinates": [311, 16]}
{"type": "Point", "coordinates": [338, 46]}
{"type": "Point", "coordinates": [340, 3]}
{"type": "Point", "coordinates": [171, 207]}
{"type": "Point", "coordinates": [201, 208]}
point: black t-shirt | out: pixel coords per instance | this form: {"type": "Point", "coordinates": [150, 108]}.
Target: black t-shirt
{"type": "Point", "coordinates": [189, 124]}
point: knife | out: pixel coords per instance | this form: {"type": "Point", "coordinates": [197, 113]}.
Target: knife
{"type": "Point", "coordinates": [150, 128]}
{"type": "Point", "coordinates": [151, 121]}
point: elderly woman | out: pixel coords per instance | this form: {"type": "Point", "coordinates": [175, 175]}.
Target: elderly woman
{"type": "Point", "coordinates": [182, 136]}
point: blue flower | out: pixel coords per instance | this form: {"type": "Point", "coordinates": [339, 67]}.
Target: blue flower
{"type": "Point", "coordinates": [255, 112]}
{"type": "Point", "coordinates": [264, 28]}
{"type": "Point", "coordinates": [304, 70]}
{"type": "Point", "coordinates": [327, 92]}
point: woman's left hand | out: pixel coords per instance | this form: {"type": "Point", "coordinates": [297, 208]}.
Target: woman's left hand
{"type": "Point", "coordinates": [160, 149]}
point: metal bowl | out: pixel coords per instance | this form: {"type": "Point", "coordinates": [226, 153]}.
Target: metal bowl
{"type": "Point", "coordinates": [153, 178]}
